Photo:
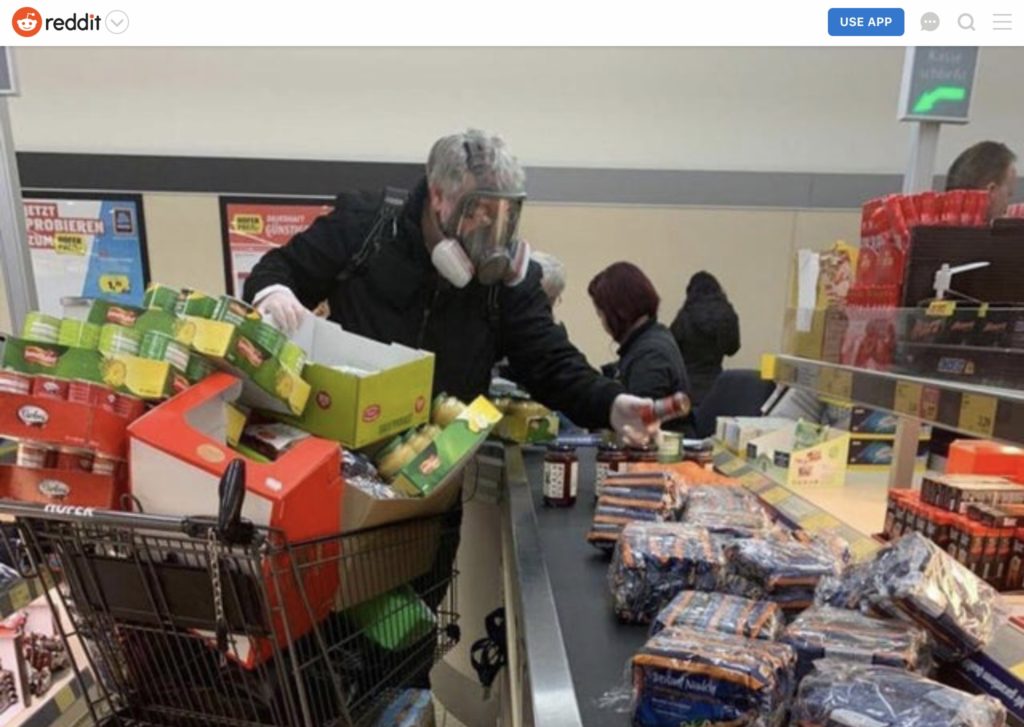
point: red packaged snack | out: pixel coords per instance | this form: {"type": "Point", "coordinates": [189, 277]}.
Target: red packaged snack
{"type": "Point", "coordinates": [952, 207]}
{"type": "Point", "coordinates": [927, 204]}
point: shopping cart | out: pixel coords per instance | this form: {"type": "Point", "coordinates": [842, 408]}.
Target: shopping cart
{"type": "Point", "coordinates": [212, 621]}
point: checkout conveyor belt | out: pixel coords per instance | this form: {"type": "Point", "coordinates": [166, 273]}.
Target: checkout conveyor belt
{"type": "Point", "coordinates": [597, 647]}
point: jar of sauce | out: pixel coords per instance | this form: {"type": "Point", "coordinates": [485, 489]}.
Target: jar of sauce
{"type": "Point", "coordinates": [643, 454]}
{"type": "Point", "coordinates": [561, 476]}
{"type": "Point", "coordinates": [610, 458]}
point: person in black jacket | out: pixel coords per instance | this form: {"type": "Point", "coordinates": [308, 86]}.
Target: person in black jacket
{"type": "Point", "coordinates": [445, 272]}
{"type": "Point", "coordinates": [649, 362]}
{"type": "Point", "coordinates": [706, 330]}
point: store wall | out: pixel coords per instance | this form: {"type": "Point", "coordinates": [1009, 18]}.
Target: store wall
{"type": "Point", "coordinates": [795, 109]}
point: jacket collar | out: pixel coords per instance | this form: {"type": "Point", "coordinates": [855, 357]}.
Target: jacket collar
{"type": "Point", "coordinates": [636, 334]}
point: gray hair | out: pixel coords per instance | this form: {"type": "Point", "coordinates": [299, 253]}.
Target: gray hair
{"type": "Point", "coordinates": [552, 274]}
{"type": "Point", "coordinates": [483, 156]}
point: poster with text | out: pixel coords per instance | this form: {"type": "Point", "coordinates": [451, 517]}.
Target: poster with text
{"type": "Point", "coordinates": [250, 227]}
{"type": "Point", "coordinates": [86, 246]}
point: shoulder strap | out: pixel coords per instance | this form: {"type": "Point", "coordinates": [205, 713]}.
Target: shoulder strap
{"type": "Point", "coordinates": [384, 224]}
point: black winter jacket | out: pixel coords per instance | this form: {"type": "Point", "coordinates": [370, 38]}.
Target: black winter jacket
{"type": "Point", "coordinates": [650, 364]}
{"type": "Point", "coordinates": [400, 297]}
{"type": "Point", "coordinates": [706, 330]}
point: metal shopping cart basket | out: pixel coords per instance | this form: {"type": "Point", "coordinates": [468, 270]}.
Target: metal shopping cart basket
{"type": "Point", "coordinates": [210, 621]}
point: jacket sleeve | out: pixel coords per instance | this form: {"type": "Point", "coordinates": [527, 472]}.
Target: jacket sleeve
{"type": "Point", "coordinates": [546, 363]}
{"type": "Point", "coordinates": [311, 261]}
{"type": "Point", "coordinates": [652, 375]}
{"type": "Point", "coordinates": [729, 333]}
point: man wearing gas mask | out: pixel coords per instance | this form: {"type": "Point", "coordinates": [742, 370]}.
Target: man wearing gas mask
{"type": "Point", "coordinates": [443, 269]}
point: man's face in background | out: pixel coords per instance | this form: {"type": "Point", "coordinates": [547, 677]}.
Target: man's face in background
{"type": "Point", "coordinates": [999, 195]}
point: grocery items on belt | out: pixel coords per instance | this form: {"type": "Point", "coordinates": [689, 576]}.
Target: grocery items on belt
{"type": "Point", "coordinates": [825, 632]}
{"type": "Point", "coordinates": [786, 572]}
{"type": "Point", "coordinates": [845, 693]}
{"type": "Point", "coordinates": [723, 613]}
{"type": "Point", "coordinates": [724, 508]}
{"type": "Point", "coordinates": [653, 562]}
{"type": "Point", "coordinates": [689, 677]}
{"type": "Point", "coordinates": [650, 497]}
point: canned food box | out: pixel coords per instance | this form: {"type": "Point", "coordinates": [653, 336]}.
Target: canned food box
{"type": "Point", "coordinates": [115, 339]}
{"type": "Point", "coordinates": [104, 465]}
{"type": "Point", "coordinates": [40, 327]}
{"type": "Point", "coordinates": [161, 297]}
{"type": "Point", "coordinates": [48, 387]}
{"type": "Point", "coordinates": [194, 303]}
{"type": "Point", "coordinates": [78, 334]}
{"type": "Point", "coordinates": [141, 320]}
{"type": "Point", "coordinates": [163, 347]}
{"type": "Point", "coordinates": [11, 382]}
{"type": "Point", "coordinates": [293, 357]}
{"type": "Point", "coordinates": [234, 311]}
{"type": "Point", "coordinates": [75, 460]}
{"type": "Point", "coordinates": [34, 455]}
{"type": "Point", "coordinates": [198, 368]}
{"type": "Point", "coordinates": [86, 392]}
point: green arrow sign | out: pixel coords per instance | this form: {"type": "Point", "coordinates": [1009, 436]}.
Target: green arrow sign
{"type": "Point", "coordinates": [927, 100]}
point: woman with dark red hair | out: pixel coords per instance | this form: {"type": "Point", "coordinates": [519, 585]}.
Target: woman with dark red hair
{"type": "Point", "coordinates": [627, 304]}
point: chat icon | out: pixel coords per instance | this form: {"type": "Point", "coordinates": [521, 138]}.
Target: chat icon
{"type": "Point", "coordinates": [930, 22]}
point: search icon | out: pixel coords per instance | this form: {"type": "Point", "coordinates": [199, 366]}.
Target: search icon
{"type": "Point", "coordinates": [965, 21]}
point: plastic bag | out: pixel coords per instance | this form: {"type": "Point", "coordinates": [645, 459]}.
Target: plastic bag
{"type": "Point", "coordinates": [706, 500]}
{"type": "Point", "coordinates": [915, 579]}
{"type": "Point", "coordinates": [653, 562]}
{"type": "Point", "coordinates": [722, 613]}
{"type": "Point", "coordinates": [845, 693]}
{"type": "Point", "coordinates": [375, 488]}
{"type": "Point", "coordinates": [651, 497]}
{"type": "Point", "coordinates": [688, 677]}
{"type": "Point", "coordinates": [785, 572]}
{"type": "Point", "coordinates": [825, 632]}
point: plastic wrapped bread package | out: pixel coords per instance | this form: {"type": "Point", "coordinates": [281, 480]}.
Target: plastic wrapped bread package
{"type": "Point", "coordinates": [647, 497]}
{"type": "Point", "coordinates": [839, 693]}
{"type": "Point", "coordinates": [785, 572]}
{"type": "Point", "coordinates": [653, 562]}
{"type": "Point", "coordinates": [824, 632]}
{"type": "Point", "coordinates": [688, 677]}
{"type": "Point", "coordinates": [723, 613]}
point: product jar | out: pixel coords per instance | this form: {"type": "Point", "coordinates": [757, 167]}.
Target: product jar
{"type": "Point", "coordinates": [610, 458]}
{"type": "Point", "coordinates": [561, 476]}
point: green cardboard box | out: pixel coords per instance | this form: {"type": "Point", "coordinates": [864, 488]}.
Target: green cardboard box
{"type": "Point", "coordinates": [143, 320]}
{"type": "Point", "coordinates": [448, 450]}
{"type": "Point", "coordinates": [362, 391]}
{"type": "Point", "coordinates": [127, 374]}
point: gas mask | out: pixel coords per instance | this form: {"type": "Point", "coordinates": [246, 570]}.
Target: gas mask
{"type": "Point", "coordinates": [480, 241]}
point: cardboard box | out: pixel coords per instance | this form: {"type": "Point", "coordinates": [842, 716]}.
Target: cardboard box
{"type": "Point", "coordinates": [143, 320]}
{"type": "Point", "coordinates": [866, 452]}
{"type": "Point", "coordinates": [449, 450]}
{"type": "Point", "coordinates": [244, 351]}
{"type": "Point", "coordinates": [63, 424]}
{"type": "Point", "coordinates": [736, 432]}
{"type": "Point", "coordinates": [128, 374]}
{"type": "Point", "coordinates": [527, 427]}
{"type": "Point", "coordinates": [823, 465]}
{"type": "Point", "coordinates": [178, 455]}
{"type": "Point", "coordinates": [981, 457]}
{"type": "Point", "coordinates": [61, 487]}
{"type": "Point", "coordinates": [392, 393]}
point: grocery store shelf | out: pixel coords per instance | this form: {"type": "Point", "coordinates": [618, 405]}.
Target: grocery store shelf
{"type": "Point", "coordinates": [976, 410]}
{"type": "Point", "coordinates": [798, 510]}
{"type": "Point", "coordinates": [62, 705]}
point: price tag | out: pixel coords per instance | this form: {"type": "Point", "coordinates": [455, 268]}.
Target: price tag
{"type": "Point", "coordinates": [20, 595]}
{"type": "Point", "coordinates": [64, 699]}
{"type": "Point", "coordinates": [775, 495]}
{"type": "Point", "coordinates": [908, 398]}
{"type": "Point", "coordinates": [929, 403]}
{"type": "Point", "coordinates": [942, 308]}
{"type": "Point", "coordinates": [836, 383]}
{"type": "Point", "coordinates": [819, 521]}
{"type": "Point", "coordinates": [978, 414]}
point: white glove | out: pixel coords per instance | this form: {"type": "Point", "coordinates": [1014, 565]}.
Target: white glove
{"type": "Point", "coordinates": [284, 309]}
{"type": "Point", "coordinates": [632, 419]}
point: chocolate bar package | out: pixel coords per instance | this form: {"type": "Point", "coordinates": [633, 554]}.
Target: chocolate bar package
{"type": "Point", "coordinates": [653, 562]}
{"type": "Point", "coordinates": [846, 694]}
{"type": "Point", "coordinates": [825, 633]}
{"type": "Point", "coordinates": [723, 613]}
{"type": "Point", "coordinates": [688, 677]}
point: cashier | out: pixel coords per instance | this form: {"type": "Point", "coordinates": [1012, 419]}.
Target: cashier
{"type": "Point", "coordinates": [988, 165]}
{"type": "Point", "coordinates": [445, 271]}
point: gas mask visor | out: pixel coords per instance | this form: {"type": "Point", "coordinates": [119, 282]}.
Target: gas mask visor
{"type": "Point", "coordinates": [486, 224]}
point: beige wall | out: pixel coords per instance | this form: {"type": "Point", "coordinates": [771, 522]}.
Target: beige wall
{"type": "Point", "coordinates": [749, 250]}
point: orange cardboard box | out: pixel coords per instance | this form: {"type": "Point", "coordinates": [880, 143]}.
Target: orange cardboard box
{"type": "Point", "coordinates": [178, 453]}
{"type": "Point", "coordinates": [982, 457]}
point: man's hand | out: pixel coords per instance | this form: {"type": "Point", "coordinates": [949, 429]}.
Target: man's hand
{"type": "Point", "coordinates": [284, 309]}
{"type": "Point", "coordinates": [632, 419]}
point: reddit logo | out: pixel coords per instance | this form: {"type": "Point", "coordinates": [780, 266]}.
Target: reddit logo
{"type": "Point", "coordinates": [27, 22]}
